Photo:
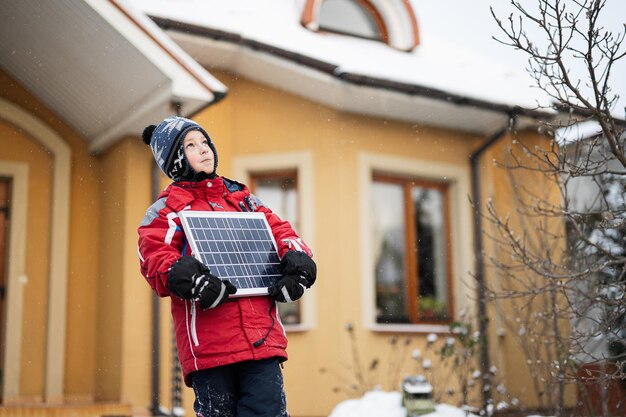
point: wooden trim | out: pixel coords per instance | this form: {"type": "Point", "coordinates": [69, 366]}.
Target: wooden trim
{"type": "Point", "coordinates": [457, 181]}
{"type": "Point", "coordinates": [413, 20]}
{"type": "Point", "coordinates": [310, 18]}
{"type": "Point", "coordinates": [411, 260]}
{"type": "Point", "coordinates": [309, 13]}
{"type": "Point", "coordinates": [448, 233]}
{"type": "Point", "coordinates": [59, 244]}
{"type": "Point", "coordinates": [82, 410]}
{"type": "Point", "coordinates": [378, 19]}
{"type": "Point", "coordinates": [408, 182]}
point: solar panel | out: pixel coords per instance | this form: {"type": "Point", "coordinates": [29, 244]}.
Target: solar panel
{"type": "Point", "coordinates": [236, 246]}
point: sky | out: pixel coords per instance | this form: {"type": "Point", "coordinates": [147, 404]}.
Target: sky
{"type": "Point", "coordinates": [469, 23]}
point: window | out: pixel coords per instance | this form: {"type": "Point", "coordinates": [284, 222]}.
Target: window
{"type": "Point", "coordinates": [391, 21]}
{"type": "Point", "coordinates": [411, 246]}
{"type": "Point", "coordinates": [352, 17]}
{"type": "Point", "coordinates": [279, 191]}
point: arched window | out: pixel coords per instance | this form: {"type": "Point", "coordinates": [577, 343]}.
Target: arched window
{"type": "Point", "coordinates": [352, 17]}
{"type": "Point", "coordinates": [390, 21]}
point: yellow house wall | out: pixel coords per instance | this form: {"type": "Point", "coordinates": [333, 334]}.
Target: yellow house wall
{"type": "Point", "coordinates": [82, 256]}
{"type": "Point", "coordinates": [18, 147]}
{"type": "Point", "coordinates": [109, 304]}
{"type": "Point", "coordinates": [124, 349]}
{"type": "Point", "coordinates": [506, 350]}
{"type": "Point", "coordinates": [255, 119]}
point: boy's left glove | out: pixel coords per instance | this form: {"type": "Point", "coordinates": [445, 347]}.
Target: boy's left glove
{"type": "Point", "coordinates": [299, 272]}
{"type": "Point", "coordinates": [299, 263]}
{"type": "Point", "coordinates": [289, 288]}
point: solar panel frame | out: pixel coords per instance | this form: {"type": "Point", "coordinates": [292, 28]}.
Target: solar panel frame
{"type": "Point", "coordinates": [238, 246]}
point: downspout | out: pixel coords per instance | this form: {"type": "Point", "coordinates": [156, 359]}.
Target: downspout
{"type": "Point", "coordinates": [155, 408]}
{"type": "Point", "coordinates": [483, 327]}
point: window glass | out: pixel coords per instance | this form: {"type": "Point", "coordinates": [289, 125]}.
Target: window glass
{"type": "Point", "coordinates": [389, 247]}
{"type": "Point", "coordinates": [432, 270]}
{"type": "Point", "coordinates": [409, 234]}
{"type": "Point", "coordinates": [279, 192]}
{"type": "Point", "coordinates": [350, 17]}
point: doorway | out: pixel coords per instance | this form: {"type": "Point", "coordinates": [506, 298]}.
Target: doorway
{"type": "Point", "coordinates": [5, 193]}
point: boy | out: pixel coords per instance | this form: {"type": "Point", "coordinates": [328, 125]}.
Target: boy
{"type": "Point", "coordinates": [230, 349]}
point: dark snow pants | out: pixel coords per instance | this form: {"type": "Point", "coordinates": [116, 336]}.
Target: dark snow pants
{"type": "Point", "coordinates": [244, 389]}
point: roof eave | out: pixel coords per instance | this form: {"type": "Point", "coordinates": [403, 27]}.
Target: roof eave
{"type": "Point", "coordinates": [332, 70]}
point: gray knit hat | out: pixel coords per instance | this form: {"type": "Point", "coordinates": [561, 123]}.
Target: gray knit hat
{"type": "Point", "coordinates": [166, 141]}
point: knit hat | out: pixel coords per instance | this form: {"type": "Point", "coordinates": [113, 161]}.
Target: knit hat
{"type": "Point", "coordinates": [166, 141]}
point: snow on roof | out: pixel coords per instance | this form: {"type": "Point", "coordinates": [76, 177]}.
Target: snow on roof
{"type": "Point", "coordinates": [434, 64]}
{"type": "Point", "coordinates": [577, 131]}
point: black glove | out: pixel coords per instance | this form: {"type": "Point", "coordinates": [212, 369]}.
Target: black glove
{"type": "Point", "coordinates": [289, 288]}
{"type": "Point", "coordinates": [190, 279]}
{"type": "Point", "coordinates": [299, 263]}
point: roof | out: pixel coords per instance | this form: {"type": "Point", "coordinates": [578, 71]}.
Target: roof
{"type": "Point", "coordinates": [436, 83]}
{"type": "Point", "coordinates": [106, 69]}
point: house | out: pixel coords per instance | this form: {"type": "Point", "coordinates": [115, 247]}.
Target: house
{"type": "Point", "coordinates": [76, 78]}
{"type": "Point", "coordinates": [336, 113]}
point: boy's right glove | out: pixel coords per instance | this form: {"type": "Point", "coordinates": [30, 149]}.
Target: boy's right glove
{"type": "Point", "coordinates": [190, 279]}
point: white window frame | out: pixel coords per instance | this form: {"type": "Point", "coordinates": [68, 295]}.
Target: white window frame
{"type": "Point", "coordinates": [457, 178]}
{"type": "Point", "coordinates": [301, 162]}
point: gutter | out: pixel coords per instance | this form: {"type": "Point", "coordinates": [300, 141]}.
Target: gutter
{"type": "Point", "coordinates": [482, 318]}
{"type": "Point", "coordinates": [336, 71]}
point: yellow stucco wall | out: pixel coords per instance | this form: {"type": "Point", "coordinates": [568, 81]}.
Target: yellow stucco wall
{"type": "Point", "coordinates": [108, 350]}
{"type": "Point", "coordinates": [255, 119]}
{"type": "Point", "coordinates": [125, 300]}
{"type": "Point", "coordinates": [507, 186]}
{"type": "Point", "coordinates": [82, 258]}
{"type": "Point", "coordinates": [18, 147]}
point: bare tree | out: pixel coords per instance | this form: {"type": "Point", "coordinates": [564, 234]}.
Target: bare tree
{"type": "Point", "coordinates": [560, 265]}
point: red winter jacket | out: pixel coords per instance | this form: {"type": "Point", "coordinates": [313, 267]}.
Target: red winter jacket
{"type": "Point", "coordinates": [225, 334]}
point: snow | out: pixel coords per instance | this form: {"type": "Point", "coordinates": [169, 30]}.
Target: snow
{"type": "Point", "coordinates": [457, 53]}
{"type": "Point", "coordinates": [583, 130]}
{"type": "Point", "coordinates": [388, 404]}
{"type": "Point", "coordinates": [436, 63]}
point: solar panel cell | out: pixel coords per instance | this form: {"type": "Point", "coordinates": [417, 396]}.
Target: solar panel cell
{"type": "Point", "coordinates": [239, 247]}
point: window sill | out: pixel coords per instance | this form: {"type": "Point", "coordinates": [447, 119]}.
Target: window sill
{"type": "Point", "coordinates": [409, 328]}
{"type": "Point", "coordinates": [297, 327]}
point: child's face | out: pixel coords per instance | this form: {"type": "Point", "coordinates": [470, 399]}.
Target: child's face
{"type": "Point", "coordinates": [198, 152]}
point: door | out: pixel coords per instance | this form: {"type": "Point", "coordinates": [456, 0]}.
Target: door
{"type": "Point", "coordinates": [5, 192]}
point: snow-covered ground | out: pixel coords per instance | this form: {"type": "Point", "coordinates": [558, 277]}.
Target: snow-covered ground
{"type": "Point", "coordinates": [387, 404]}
